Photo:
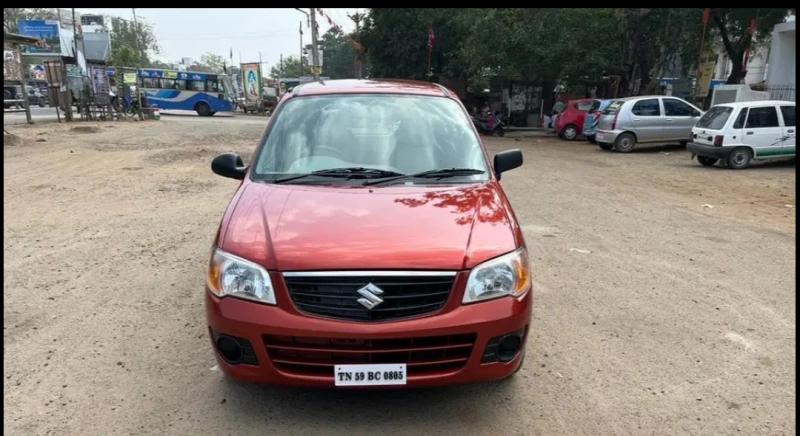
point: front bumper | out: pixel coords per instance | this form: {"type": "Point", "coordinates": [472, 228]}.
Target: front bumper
{"type": "Point", "coordinates": [259, 324]}
{"type": "Point", "coordinates": [606, 136]}
{"type": "Point", "coordinates": [706, 150]}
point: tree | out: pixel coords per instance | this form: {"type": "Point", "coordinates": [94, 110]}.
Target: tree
{"type": "Point", "coordinates": [338, 55]}
{"type": "Point", "coordinates": [291, 68]}
{"type": "Point", "coordinates": [208, 63]}
{"type": "Point", "coordinates": [733, 25]}
{"type": "Point", "coordinates": [396, 39]}
{"type": "Point", "coordinates": [11, 15]}
{"type": "Point", "coordinates": [130, 43]}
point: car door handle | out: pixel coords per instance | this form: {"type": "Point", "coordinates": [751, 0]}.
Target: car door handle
{"type": "Point", "coordinates": [790, 131]}
{"type": "Point", "coordinates": [749, 133]}
{"type": "Point", "coordinates": [637, 119]}
{"type": "Point", "coordinates": [669, 120]}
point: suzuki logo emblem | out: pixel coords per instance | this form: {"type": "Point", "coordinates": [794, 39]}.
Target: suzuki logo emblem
{"type": "Point", "coordinates": [371, 294]}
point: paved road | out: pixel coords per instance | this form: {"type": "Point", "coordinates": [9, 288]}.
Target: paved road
{"type": "Point", "coordinates": [653, 315]}
{"type": "Point", "coordinates": [46, 115]}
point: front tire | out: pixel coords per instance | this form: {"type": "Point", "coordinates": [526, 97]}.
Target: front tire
{"type": "Point", "coordinates": [569, 132]}
{"type": "Point", "coordinates": [625, 142]}
{"type": "Point", "coordinates": [707, 161]}
{"type": "Point", "coordinates": [203, 109]}
{"type": "Point", "coordinates": [739, 158]}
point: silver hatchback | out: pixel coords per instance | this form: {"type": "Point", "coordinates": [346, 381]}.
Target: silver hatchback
{"type": "Point", "coordinates": [645, 119]}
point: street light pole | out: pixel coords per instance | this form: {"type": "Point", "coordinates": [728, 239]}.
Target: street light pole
{"type": "Point", "coordinates": [314, 50]}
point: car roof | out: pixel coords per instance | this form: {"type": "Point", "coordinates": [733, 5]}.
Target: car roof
{"type": "Point", "coordinates": [641, 97]}
{"type": "Point", "coordinates": [372, 86]}
{"type": "Point", "coordinates": [756, 102]}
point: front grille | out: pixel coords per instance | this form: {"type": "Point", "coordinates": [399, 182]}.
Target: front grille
{"type": "Point", "coordinates": [337, 297]}
{"type": "Point", "coordinates": [317, 356]}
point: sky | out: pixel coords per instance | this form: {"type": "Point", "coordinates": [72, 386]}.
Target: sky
{"type": "Point", "coordinates": [192, 32]}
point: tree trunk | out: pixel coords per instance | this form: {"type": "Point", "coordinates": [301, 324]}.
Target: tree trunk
{"type": "Point", "coordinates": [737, 73]}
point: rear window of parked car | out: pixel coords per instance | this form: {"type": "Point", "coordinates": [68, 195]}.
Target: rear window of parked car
{"type": "Point", "coordinates": [583, 106]}
{"type": "Point", "coordinates": [613, 107]}
{"type": "Point", "coordinates": [715, 118]}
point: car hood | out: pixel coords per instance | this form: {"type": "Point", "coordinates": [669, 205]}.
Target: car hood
{"type": "Point", "coordinates": [295, 228]}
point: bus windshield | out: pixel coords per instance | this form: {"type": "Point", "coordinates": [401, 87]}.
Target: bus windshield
{"type": "Point", "coordinates": [204, 93]}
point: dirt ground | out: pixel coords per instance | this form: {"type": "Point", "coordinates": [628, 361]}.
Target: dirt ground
{"type": "Point", "coordinates": [654, 313]}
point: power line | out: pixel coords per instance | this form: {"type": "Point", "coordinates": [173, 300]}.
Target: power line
{"type": "Point", "coordinates": [232, 36]}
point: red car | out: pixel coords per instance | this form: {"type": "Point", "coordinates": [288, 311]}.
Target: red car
{"type": "Point", "coordinates": [569, 124]}
{"type": "Point", "coordinates": [369, 244]}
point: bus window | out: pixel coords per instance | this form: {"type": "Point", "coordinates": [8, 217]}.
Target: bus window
{"type": "Point", "coordinates": [173, 84]}
{"type": "Point", "coordinates": [211, 85]}
{"type": "Point", "coordinates": [151, 82]}
{"type": "Point", "coordinates": [196, 85]}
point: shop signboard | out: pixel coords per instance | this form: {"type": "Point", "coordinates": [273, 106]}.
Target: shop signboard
{"type": "Point", "coordinates": [74, 71]}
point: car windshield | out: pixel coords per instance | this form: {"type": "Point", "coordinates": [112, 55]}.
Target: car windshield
{"type": "Point", "coordinates": [404, 134]}
{"type": "Point", "coordinates": [715, 118]}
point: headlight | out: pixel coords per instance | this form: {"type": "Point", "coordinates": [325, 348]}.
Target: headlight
{"type": "Point", "coordinates": [506, 275]}
{"type": "Point", "coordinates": [237, 277]}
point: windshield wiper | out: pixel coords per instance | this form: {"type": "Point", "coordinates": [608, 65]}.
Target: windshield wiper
{"type": "Point", "coordinates": [430, 174]}
{"type": "Point", "coordinates": [344, 173]}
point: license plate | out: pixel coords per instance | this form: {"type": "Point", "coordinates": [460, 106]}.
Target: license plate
{"type": "Point", "coordinates": [392, 374]}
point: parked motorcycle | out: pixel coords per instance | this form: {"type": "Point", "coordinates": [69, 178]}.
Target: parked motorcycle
{"type": "Point", "coordinates": [496, 129]}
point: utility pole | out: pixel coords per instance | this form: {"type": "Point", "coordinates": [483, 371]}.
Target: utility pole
{"type": "Point", "coordinates": [301, 45]}
{"type": "Point", "coordinates": [141, 58]}
{"type": "Point", "coordinates": [357, 17]}
{"type": "Point", "coordinates": [314, 49]}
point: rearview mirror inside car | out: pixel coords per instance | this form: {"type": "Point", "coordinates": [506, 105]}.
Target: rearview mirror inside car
{"type": "Point", "coordinates": [229, 165]}
{"type": "Point", "coordinates": [507, 160]}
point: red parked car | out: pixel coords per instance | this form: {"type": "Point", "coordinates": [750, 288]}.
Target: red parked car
{"type": "Point", "coordinates": [569, 124]}
{"type": "Point", "coordinates": [369, 244]}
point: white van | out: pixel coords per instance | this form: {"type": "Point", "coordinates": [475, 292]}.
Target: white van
{"type": "Point", "coordinates": [737, 133]}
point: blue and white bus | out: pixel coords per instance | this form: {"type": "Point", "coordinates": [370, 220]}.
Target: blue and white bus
{"type": "Point", "coordinates": [203, 93]}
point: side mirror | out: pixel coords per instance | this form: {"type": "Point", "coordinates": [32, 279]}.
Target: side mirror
{"type": "Point", "coordinates": [229, 165]}
{"type": "Point", "coordinates": [507, 160]}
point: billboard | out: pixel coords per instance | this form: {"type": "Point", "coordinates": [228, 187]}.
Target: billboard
{"type": "Point", "coordinates": [46, 31]}
{"type": "Point", "coordinates": [251, 78]}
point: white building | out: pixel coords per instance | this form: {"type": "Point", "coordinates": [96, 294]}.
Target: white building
{"type": "Point", "coordinates": [781, 80]}
{"type": "Point", "coordinates": [756, 64]}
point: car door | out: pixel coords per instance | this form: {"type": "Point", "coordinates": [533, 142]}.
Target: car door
{"type": "Point", "coordinates": [789, 129]}
{"type": "Point", "coordinates": [647, 120]}
{"type": "Point", "coordinates": [679, 118]}
{"type": "Point", "coordinates": [763, 131]}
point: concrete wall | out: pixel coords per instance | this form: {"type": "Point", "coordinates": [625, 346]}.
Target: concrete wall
{"type": "Point", "coordinates": [782, 57]}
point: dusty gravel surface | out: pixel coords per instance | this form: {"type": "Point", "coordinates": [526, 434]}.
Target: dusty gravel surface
{"type": "Point", "coordinates": [653, 314]}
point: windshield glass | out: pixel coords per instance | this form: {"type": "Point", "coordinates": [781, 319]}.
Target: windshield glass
{"type": "Point", "coordinates": [401, 133]}
{"type": "Point", "coordinates": [715, 118]}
